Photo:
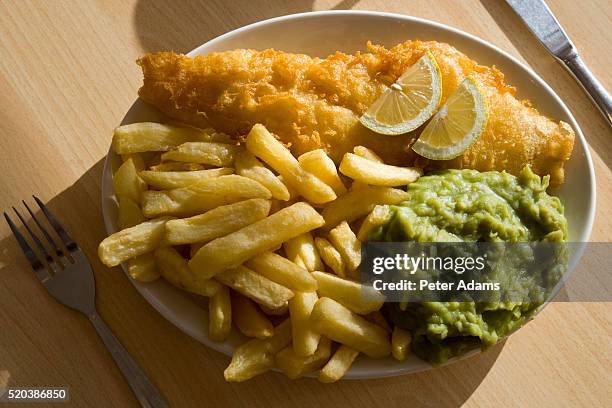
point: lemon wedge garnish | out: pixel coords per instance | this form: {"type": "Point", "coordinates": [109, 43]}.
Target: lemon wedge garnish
{"type": "Point", "coordinates": [409, 102]}
{"type": "Point", "coordinates": [457, 124]}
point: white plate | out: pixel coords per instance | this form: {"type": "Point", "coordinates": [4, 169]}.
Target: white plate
{"type": "Point", "coordinates": [321, 34]}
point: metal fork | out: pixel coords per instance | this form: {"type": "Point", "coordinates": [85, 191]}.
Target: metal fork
{"type": "Point", "coordinates": [68, 277]}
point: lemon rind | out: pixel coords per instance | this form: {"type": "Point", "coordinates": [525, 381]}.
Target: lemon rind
{"type": "Point", "coordinates": [426, 113]}
{"type": "Point", "coordinates": [432, 153]}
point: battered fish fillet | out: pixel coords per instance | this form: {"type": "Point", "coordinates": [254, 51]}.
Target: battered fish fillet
{"type": "Point", "coordinates": [312, 103]}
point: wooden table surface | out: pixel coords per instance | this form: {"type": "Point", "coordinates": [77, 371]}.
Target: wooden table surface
{"type": "Point", "coordinates": [67, 77]}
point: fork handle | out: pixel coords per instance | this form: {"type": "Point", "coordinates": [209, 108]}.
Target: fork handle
{"type": "Point", "coordinates": [147, 394]}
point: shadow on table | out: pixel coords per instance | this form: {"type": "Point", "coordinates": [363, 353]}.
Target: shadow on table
{"type": "Point", "coordinates": [448, 386]}
{"type": "Point", "coordinates": [183, 25]}
{"type": "Point", "coordinates": [536, 55]}
{"type": "Point", "coordinates": [78, 209]}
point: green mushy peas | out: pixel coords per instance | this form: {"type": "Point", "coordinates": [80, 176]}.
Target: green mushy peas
{"type": "Point", "coordinates": [472, 206]}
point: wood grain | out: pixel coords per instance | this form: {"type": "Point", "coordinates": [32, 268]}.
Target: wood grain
{"type": "Point", "coordinates": [67, 76]}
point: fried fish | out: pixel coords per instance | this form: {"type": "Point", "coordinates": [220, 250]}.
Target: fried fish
{"type": "Point", "coordinates": [311, 103]}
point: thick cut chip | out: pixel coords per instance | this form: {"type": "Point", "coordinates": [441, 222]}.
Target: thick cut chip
{"type": "Point", "coordinates": [143, 268]}
{"type": "Point", "coordinates": [167, 180]}
{"type": "Point", "coordinates": [378, 319]}
{"type": "Point", "coordinates": [195, 247]}
{"type": "Point", "coordinates": [129, 213]}
{"type": "Point", "coordinates": [295, 366]}
{"type": "Point", "coordinates": [356, 185]}
{"type": "Point", "coordinates": [264, 235]}
{"type": "Point", "coordinates": [220, 315]}
{"type": "Point", "coordinates": [293, 193]}
{"type": "Point", "coordinates": [137, 158]}
{"type": "Point", "coordinates": [215, 154]}
{"type": "Point", "coordinates": [256, 356]}
{"type": "Point", "coordinates": [302, 250]}
{"type": "Point", "coordinates": [254, 286]}
{"type": "Point", "coordinates": [275, 205]}
{"type": "Point", "coordinates": [249, 319]}
{"type": "Point", "coordinates": [132, 242]}
{"type": "Point", "coordinates": [331, 257]}
{"type": "Point", "coordinates": [279, 311]}
{"type": "Point", "coordinates": [335, 321]}
{"type": "Point", "coordinates": [282, 271]}
{"type": "Point", "coordinates": [248, 165]}
{"type": "Point", "coordinates": [217, 222]}
{"type": "Point", "coordinates": [400, 343]}
{"type": "Point", "coordinates": [177, 166]}
{"type": "Point", "coordinates": [359, 202]}
{"type": "Point", "coordinates": [359, 298]}
{"type": "Point", "coordinates": [338, 364]}
{"type": "Point", "coordinates": [127, 183]}
{"type": "Point", "coordinates": [319, 163]}
{"type": "Point", "coordinates": [379, 216]}
{"type": "Point", "coordinates": [345, 241]}
{"type": "Point", "coordinates": [208, 134]}
{"type": "Point", "coordinates": [150, 136]}
{"type": "Point", "coordinates": [367, 154]}
{"type": "Point", "coordinates": [377, 174]}
{"type": "Point", "coordinates": [299, 262]}
{"type": "Point", "coordinates": [265, 146]}
{"type": "Point", "coordinates": [175, 270]}
{"type": "Point", "coordinates": [305, 340]}
{"type": "Point", "coordinates": [202, 196]}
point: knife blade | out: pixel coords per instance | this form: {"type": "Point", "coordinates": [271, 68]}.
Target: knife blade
{"type": "Point", "coordinates": [542, 23]}
{"type": "Point", "coordinates": [540, 20]}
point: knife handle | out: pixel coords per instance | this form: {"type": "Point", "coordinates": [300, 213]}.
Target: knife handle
{"type": "Point", "coordinates": [591, 85]}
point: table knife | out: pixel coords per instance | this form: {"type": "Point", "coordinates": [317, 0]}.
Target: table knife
{"type": "Point", "coordinates": [541, 21]}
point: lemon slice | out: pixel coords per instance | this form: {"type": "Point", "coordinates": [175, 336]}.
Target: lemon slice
{"type": "Point", "coordinates": [457, 124]}
{"type": "Point", "coordinates": [409, 102]}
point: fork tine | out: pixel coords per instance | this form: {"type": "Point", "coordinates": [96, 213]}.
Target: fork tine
{"type": "Point", "coordinates": [34, 237]}
{"type": "Point", "coordinates": [43, 230]}
{"type": "Point", "coordinates": [61, 232]}
{"type": "Point", "coordinates": [27, 250]}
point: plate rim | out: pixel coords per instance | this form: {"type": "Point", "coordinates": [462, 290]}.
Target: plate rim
{"type": "Point", "coordinates": [106, 188]}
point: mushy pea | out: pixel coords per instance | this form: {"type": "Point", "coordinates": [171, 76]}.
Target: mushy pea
{"type": "Point", "coordinates": [472, 206]}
